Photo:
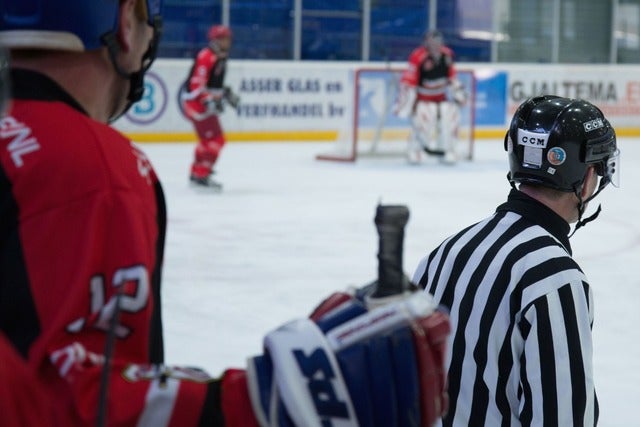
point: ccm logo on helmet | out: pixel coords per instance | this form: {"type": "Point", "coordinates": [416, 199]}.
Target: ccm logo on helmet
{"type": "Point", "coordinates": [532, 139]}
{"type": "Point", "coordinates": [593, 125]}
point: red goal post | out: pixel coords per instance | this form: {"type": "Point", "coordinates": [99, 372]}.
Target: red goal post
{"type": "Point", "coordinates": [373, 130]}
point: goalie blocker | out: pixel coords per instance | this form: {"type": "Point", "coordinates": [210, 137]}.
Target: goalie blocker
{"type": "Point", "coordinates": [371, 356]}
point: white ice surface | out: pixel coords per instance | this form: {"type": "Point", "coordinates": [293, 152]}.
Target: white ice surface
{"type": "Point", "coordinates": [288, 230]}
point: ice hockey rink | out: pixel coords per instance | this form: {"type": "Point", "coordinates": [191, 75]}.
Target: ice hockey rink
{"type": "Point", "coordinates": [288, 230]}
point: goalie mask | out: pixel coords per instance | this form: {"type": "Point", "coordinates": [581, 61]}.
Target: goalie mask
{"type": "Point", "coordinates": [77, 25]}
{"type": "Point", "coordinates": [552, 141]}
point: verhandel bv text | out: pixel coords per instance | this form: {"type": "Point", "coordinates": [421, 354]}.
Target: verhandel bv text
{"type": "Point", "coordinates": [280, 110]}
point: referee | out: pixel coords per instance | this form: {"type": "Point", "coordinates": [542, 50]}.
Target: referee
{"type": "Point", "coordinates": [521, 309]}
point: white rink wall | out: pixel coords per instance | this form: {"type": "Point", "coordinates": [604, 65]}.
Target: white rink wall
{"type": "Point", "coordinates": [309, 100]}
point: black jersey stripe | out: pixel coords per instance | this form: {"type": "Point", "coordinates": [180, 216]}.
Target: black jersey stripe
{"type": "Point", "coordinates": [526, 414]}
{"type": "Point", "coordinates": [19, 319]}
{"type": "Point", "coordinates": [578, 385]}
{"type": "Point", "coordinates": [547, 365]}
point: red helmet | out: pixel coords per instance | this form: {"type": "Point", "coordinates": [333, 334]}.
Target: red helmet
{"type": "Point", "coordinates": [218, 32]}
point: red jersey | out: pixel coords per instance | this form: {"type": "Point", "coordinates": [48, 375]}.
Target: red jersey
{"type": "Point", "coordinates": [430, 76]}
{"type": "Point", "coordinates": [205, 81]}
{"type": "Point", "coordinates": [22, 400]}
{"type": "Point", "coordinates": [82, 229]}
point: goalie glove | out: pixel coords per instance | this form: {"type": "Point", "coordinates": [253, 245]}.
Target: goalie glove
{"type": "Point", "coordinates": [457, 93]}
{"type": "Point", "coordinates": [231, 97]}
{"type": "Point", "coordinates": [353, 366]}
{"type": "Point", "coordinates": [403, 106]}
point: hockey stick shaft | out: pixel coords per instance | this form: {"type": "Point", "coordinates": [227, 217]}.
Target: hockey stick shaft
{"type": "Point", "coordinates": [390, 221]}
{"type": "Point", "coordinates": [109, 348]}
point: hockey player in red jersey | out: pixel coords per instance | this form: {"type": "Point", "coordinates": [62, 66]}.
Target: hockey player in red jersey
{"type": "Point", "coordinates": [82, 232]}
{"type": "Point", "coordinates": [203, 100]}
{"type": "Point", "coordinates": [431, 94]}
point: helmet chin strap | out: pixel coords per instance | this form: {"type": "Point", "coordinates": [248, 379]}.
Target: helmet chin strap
{"type": "Point", "coordinates": [583, 203]}
{"type": "Point", "coordinates": [136, 78]}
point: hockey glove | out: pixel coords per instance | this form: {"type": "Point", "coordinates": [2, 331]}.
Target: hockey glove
{"type": "Point", "coordinates": [231, 97]}
{"type": "Point", "coordinates": [457, 93]}
{"type": "Point", "coordinates": [405, 101]}
{"type": "Point", "coordinates": [354, 366]}
{"type": "Point", "coordinates": [214, 106]}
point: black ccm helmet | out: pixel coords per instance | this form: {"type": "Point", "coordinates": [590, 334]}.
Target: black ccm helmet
{"type": "Point", "coordinates": [552, 141]}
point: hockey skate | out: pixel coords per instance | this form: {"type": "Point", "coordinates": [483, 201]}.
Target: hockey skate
{"type": "Point", "coordinates": [414, 151]}
{"type": "Point", "coordinates": [450, 158]}
{"type": "Point", "coordinates": [205, 183]}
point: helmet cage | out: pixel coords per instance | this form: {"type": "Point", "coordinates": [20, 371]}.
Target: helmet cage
{"type": "Point", "coordinates": [603, 154]}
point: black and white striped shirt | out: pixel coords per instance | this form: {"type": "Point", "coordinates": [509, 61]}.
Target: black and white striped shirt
{"type": "Point", "coordinates": [520, 350]}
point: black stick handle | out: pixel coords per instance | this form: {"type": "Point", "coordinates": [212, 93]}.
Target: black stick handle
{"type": "Point", "coordinates": [390, 221]}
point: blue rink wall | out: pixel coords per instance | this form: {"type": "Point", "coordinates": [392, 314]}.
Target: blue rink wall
{"type": "Point", "coordinates": [313, 101]}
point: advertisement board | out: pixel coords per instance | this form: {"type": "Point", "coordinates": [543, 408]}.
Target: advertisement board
{"type": "Point", "coordinates": [309, 100]}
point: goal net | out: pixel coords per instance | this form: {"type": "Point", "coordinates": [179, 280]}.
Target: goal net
{"type": "Point", "coordinates": [374, 130]}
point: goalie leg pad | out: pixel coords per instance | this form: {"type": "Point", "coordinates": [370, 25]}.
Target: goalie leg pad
{"type": "Point", "coordinates": [407, 382]}
{"type": "Point", "coordinates": [260, 381]}
{"type": "Point", "coordinates": [424, 123]}
{"type": "Point", "coordinates": [366, 371]}
{"type": "Point", "coordinates": [430, 336]}
{"type": "Point", "coordinates": [308, 377]}
{"type": "Point", "coordinates": [340, 314]}
{"type": "Point", "coordinates": [385, 407]}
{"type": "Point", "coordinates": [449, 125]}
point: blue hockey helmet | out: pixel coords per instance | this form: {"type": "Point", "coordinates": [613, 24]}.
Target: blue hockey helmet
{"type": "Point", "coordinates": [63, 24]}
{"type": "Point", "coordinates": [77, 25]}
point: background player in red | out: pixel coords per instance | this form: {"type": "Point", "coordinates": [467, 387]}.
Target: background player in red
{"type": "Point", "coordinates": [204, 100]}
{"type": "Point", "coordinates": [82, 232]}
{"type": "Point", "coordinates": [430, 94]}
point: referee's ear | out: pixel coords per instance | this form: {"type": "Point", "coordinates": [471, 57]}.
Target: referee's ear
{"type": "Point", "coordinates": [590, 183]}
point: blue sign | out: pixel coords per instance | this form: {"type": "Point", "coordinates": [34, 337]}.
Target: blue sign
{"type": "Point", "coordinates": [491, 97]}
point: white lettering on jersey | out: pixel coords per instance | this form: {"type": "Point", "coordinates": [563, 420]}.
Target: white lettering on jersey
{"type": "Point", "coordinates": [22, 142]}
{"type": "Point", "coordinates": [532, 139]}
{"type": "Point", "coordinates": [144, 165]}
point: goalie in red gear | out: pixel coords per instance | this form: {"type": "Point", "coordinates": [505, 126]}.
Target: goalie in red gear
{"type": "Point", "coordinates": [431, 95]}
{"type": "Point", "coordinates": [203, 100]}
